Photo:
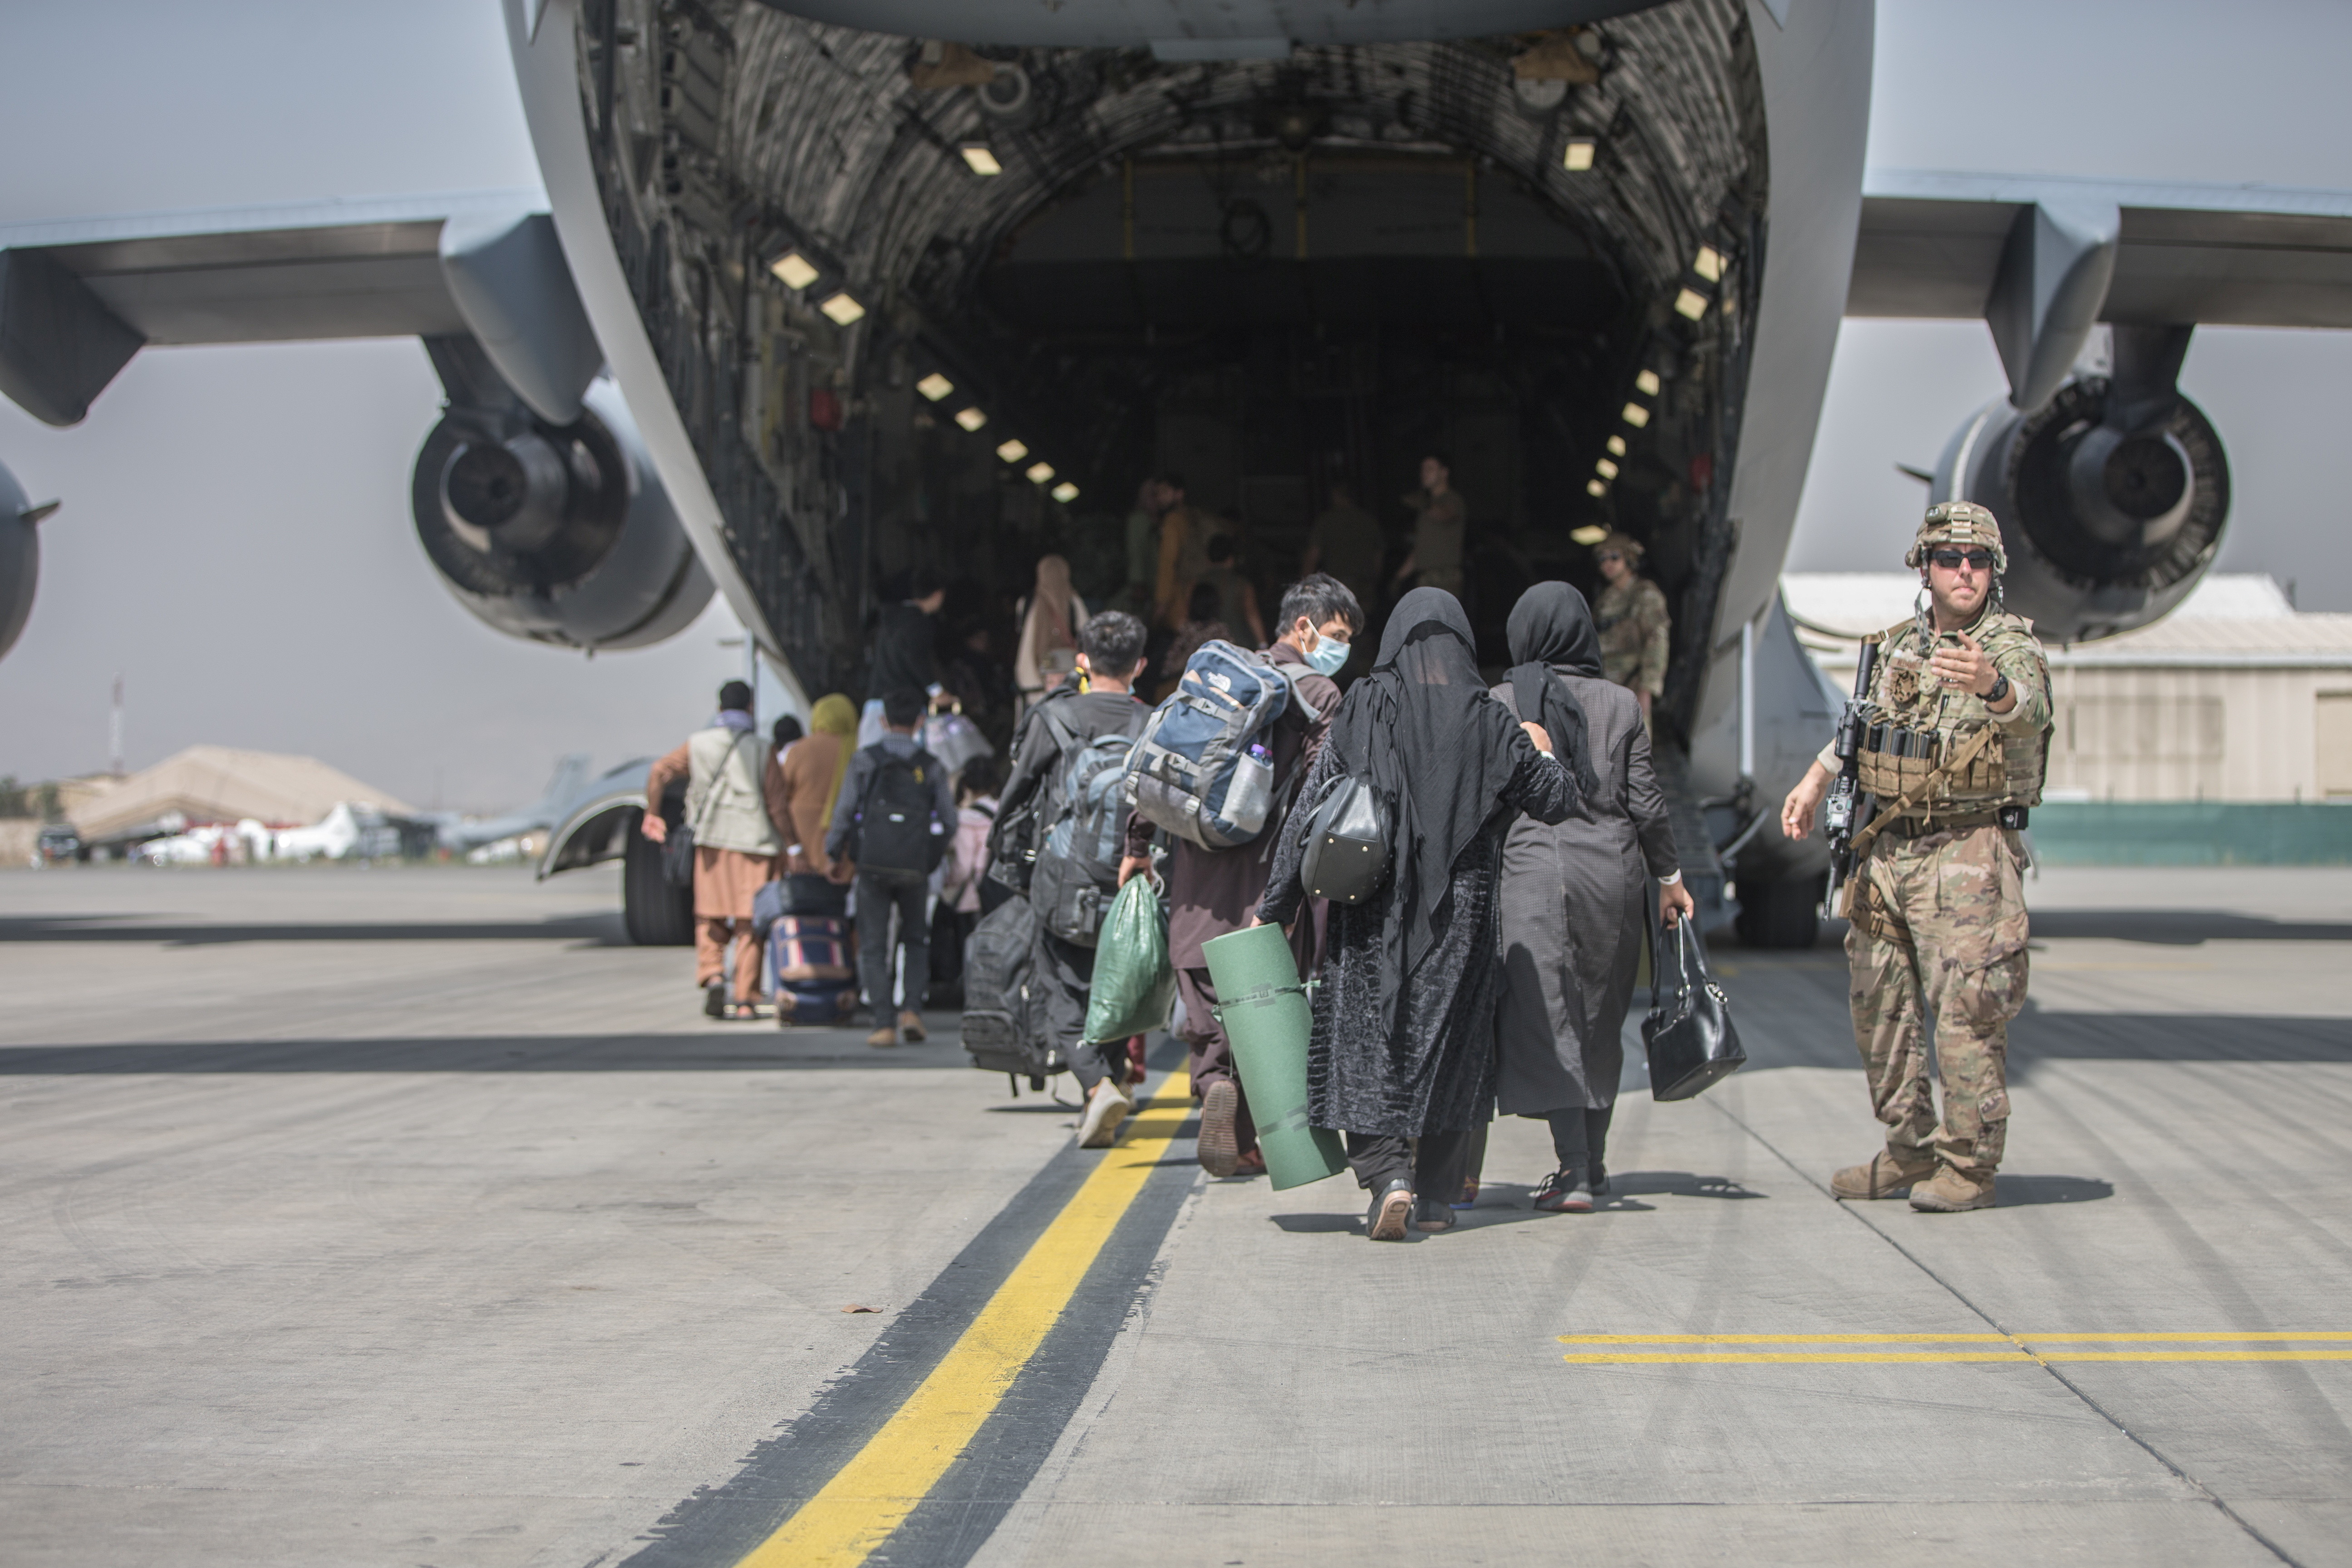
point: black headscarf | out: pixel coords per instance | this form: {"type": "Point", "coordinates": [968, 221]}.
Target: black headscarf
{"type": "Point", "coordinates": [1552, 625]}
{"type": "Point", "coordinates": [1440, 752]}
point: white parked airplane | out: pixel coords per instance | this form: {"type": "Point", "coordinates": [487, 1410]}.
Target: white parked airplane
{"type": "Point", "coordinates": [883, 281]}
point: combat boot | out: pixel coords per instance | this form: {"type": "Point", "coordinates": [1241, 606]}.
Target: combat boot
{"type": "Point", "coordinates": [1953, 1191]}
{"type": "Point", "coordinates": [1884, 1177]}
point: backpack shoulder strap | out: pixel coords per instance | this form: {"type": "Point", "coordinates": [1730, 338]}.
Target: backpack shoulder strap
{"type": "Point", "coordinates": [1292, 674]}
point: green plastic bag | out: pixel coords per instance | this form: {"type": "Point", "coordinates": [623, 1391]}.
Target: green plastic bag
{"type": "Point", "coordinates": [1134, 988]}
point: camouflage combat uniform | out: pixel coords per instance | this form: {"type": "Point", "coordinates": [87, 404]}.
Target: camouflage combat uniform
{"type": "Point", "coordinates": [1632, 618]}
{"type": "Point", "coordinates": [1937, 904]}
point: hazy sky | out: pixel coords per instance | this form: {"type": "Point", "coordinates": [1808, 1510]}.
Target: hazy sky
{"type": "Point", "coordinates": [237, 542]}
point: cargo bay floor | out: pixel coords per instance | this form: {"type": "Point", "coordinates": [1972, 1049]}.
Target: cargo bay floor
{"type": "Point", "coordinates": [410, 1217]}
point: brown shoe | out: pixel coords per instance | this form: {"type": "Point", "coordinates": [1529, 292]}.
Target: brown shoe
{"type": "Point", "coordinates": [910, 1028]}
{"type": "Point", "coordinates": [1220, 1109]}
{"type": "Point", "coordinates": [883, 1038]}
{"type": "Point", "coordinates": [1953, 1192]}
{"type": "Point", "coordinates": [1884, 1177]}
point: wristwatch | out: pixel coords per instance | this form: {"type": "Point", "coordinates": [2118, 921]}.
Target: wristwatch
{"type": "Point", "coordinates": [2000, 688]}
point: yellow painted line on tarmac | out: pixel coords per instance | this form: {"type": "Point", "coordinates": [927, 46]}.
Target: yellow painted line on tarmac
{"type": "Point", "coordinates": [869, 1496]}
{"type": "Point", "coordinates": [2023, 1348]}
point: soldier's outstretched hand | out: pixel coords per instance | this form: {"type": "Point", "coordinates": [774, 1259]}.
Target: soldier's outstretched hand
{"type": "Point", "coordinates": [1968, 666]}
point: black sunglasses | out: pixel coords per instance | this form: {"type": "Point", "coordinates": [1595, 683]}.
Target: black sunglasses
{"type": "Point", "coordinates": [1609, 555]}
{"type": "Point", "coordinates": [1950, 559]}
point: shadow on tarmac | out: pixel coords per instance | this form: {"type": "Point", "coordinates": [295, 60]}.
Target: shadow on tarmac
{"type": "Point", "coordinates": [2182, 928]}
{"type": "Point", "coordinates": [2019, 1191]}
{"type": "Point", "coordinates": [598, 930]}
{"type": "Point", "coordinates": [740, 1049]}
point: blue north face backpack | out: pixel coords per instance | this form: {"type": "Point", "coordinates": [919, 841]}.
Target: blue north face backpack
{"type": "Point", "coordinates": [1203, 766]}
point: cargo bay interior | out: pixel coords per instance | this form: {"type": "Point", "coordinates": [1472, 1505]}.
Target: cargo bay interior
{"type": "Point", "coordinates": [935, 301]}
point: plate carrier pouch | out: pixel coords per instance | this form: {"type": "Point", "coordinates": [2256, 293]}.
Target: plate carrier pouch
{"type": "Point", "coordinates": [1081, 826]}
{"type": "Point", "coordinates": [1003, 1017]}
{"type": "Point", "coordinates": [895, 830]}
{"type": "Point", "coordinates": [1203, 769]}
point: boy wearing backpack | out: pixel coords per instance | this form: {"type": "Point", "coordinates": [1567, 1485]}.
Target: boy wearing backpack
{"type": "Point", "coordinates": [893, 821]}
{"type": "Point", "coordinates": [1212, 891]}
{"type": "Point", "coordinates": [1066, 763]}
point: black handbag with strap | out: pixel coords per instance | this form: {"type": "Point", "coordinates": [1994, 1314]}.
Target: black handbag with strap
{"type": "Point", "coordinates": [1688, 1034]}
{"type": "Point", "coordinates": [1347, 857]}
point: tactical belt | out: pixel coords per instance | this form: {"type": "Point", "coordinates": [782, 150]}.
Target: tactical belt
{"type": "Point", "coordinates": [1920, 827]}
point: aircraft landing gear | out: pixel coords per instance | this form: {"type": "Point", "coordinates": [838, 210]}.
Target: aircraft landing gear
{"type": "Point", "coordinates": [1784, 913]}
{"type": "Point", "coordinates": [656, 914]}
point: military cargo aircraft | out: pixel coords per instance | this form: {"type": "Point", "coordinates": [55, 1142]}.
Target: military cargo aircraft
{"type": "Point", "coordinates": [820, 288]}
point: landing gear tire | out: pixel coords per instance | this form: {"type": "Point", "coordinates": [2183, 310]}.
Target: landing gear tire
{"type": "Point", "coordinates": [656, 914]}
{"type": "Point", "coordinates": [1785, 913]}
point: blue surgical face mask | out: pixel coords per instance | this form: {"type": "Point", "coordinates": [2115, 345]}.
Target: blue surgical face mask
{"type": "Point", "coordinates": [1329, 654]}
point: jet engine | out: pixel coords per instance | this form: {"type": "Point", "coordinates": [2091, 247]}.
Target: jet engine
{"type": "Point", "coordinates": [2111, 496]}
{"type": "Point", "coordinates": [20, 557]}
{"type": "Point", "coordinates": [556, 533]}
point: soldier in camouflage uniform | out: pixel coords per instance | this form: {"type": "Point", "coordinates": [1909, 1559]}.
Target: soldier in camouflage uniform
{"type": "Point", "coordinates": [1936, 898]}
{"type": "Point", "coordinates": [1631, 615]}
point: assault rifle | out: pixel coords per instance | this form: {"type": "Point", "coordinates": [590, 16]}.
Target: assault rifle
{"type": "Point", "coordinates": [1847, 805]}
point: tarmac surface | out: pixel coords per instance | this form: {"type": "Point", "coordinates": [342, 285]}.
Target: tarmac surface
{"type": "Point", "coordinates": [411, 1217]}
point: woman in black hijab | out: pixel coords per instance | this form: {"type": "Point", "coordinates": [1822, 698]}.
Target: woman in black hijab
{"type": "Point", "coordinates": [1405, 1019]}
{"type": "Point", "coordinates": [1575, 893]}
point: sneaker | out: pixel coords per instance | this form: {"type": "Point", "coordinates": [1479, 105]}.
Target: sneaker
{"type": "Point", "coordinates": [1106, 1107]}
{"type": "Point", "coordinates": [1884, 1176]}
{"type": "Point", "coordinates": [910, 1028]}
{"type": "Point", "coordinates": [1392, 1210]}
{"type": "Point", "coordinates": [1953, 1192]}
{"type": "Point", "coordinates": [1469, 1198]}
{"type": "Point", "coordinates": [714, 999]}
{"type": "Point", "coordinates": [1221, 1105]}
{"type": "Point", "coordinates": [1599, 1180]}
{"type": "Point", "coordinates": [1565, 1193]}
{"type": "Point", "coordinates": [883, 1038]}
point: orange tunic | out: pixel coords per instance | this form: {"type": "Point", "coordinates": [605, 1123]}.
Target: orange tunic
{"type": "Point", "coordinates": [725, 880]}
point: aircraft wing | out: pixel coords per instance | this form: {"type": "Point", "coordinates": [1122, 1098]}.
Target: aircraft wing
{"type": "Point", "coordinates": [80, 297]}
{"type": "Point", "coordinates": [2041, 258]}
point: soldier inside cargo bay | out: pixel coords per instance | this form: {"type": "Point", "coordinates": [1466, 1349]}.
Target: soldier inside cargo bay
{"type": "Point", "coordinates": [1951, 757]}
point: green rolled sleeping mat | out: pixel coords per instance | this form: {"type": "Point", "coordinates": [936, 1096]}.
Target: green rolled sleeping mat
{"type": "Point", "coordinates": [1264, 1009]}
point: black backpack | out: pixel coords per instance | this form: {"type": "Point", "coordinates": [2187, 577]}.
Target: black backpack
{"type": "Point", "coordinates": [1004, 1011]}
{"type": "Point", "coordinates": [894, 814]}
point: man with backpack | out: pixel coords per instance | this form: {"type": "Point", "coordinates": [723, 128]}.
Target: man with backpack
{"type": "Point", "coordinates": [1213, 890]}
{"type": "Point", "coordinates": [893, 821]}
{"type": "Point", "coordinates": [734, 801]}
{"type": "Point", "coordinates": [1068, 761]}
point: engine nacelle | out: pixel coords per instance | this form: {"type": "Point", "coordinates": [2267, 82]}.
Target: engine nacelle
{"type": "Point", "coordinates": [2110, 514]}
{"type": "Point", "coordinates": [20, 557]}
{"type": "Point", "coordinates": [557, 534]}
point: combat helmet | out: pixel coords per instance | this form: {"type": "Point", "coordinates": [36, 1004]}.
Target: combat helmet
{"type": "Point", "coordinates": [1960, 523]}
{"type": "Point", "coordinates": [1624, 544]}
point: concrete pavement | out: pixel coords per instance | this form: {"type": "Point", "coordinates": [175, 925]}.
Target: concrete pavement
{"type": "Point", "coordinates": [411, 1217]}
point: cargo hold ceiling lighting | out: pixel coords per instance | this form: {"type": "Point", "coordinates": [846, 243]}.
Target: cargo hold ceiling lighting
{"type": "Point", "coordinates": [1708, 266]}
{"type": "Point", "coordinates": [979, 158]}
{"type": "Point", "coordinates": [971, 418]}
{"type": "Point", "coordinates": [1616, 446]}
{"type": "Point", "coordinates": [1040, 472]}
{"type": "Point", "coordinates": [1065, 492]}
{"type": "Point", "coordinates": [1635, 414]}
{"type": "Point", "coordinates": [1646, 384]}
{"type": "Point", "coordinates": [1592, 532]}
{"type": "Point", "coordinates": [794, 271]}
{"type": "Point", "coordinates": [1606, 468]}
{"type": "Point", "coordinates": [1595, 488]}
{"type": "Point", "coordinates": [1013, 451]}
{"type": "Point", "coordinates": [840, 310]}
{"type": "Point", "coordinates": [935, 386]}
{"type": "Point", "coordinates": [1578, 155]}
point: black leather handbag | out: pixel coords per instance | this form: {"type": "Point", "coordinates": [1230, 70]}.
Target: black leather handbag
{"type": "Point", "coordinates": [1347, 857]}
{"type": "Point", "coordinates": [1688, 1033]}
{"type": "Point", "coordinates": [677, 856]}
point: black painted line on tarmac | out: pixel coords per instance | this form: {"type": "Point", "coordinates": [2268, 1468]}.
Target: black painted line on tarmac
{"type": "Point", "coordinates": [717, 1526]}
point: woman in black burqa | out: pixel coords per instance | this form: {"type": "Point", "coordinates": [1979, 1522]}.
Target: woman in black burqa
{"type": "Point", "coordinates": [1576, 893]}
{"type": "Point", "coordinates": [1403, 1044]}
